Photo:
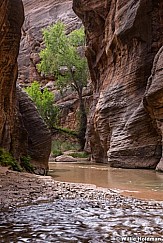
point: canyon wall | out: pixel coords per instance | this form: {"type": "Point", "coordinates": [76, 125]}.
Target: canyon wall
{"type": "Point", "coordinates": [38, 15]}
{"type": "Point", "coordinates": [22, 132]}
{"type": "Point", "coordinates": [11, 20]}
{"type": "Point", "coordinates": [125, 123]}
{"type": "Point", "coordinates": [38, 136]}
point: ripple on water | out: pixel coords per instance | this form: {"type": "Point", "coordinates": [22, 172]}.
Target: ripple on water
{"type": "Point", "coordinates": [78, 221]}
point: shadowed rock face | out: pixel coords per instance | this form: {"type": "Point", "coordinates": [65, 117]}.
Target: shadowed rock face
{"type": "Point", "coordinates": [123, 38]}
{"type": "Point", "coordinates": [38, 136]}
{"type": "Point", "coordinates": [11, 20]}
{"type": "Point", "coordinates": [22, 132]}
{"type": "Point", "coordinates": [153, 100]}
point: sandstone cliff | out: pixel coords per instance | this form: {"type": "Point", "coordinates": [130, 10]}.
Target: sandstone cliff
{"type": "Point", "coordinates": [17, 133]}
{"type": "Point", "coordinates": [40, 14]}
{"type": "Point", "coordinates": [153, 99]}
{"type": "Point", "coordinates": [125, 121]}
{"type": "Point", "coordinates": [38, 136]}
{"type": "Point", "coordinates": [11, 20]}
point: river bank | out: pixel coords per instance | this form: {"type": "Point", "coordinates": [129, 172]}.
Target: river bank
{"type": "Point", "coordinates": [38, 209]}
{"type": "Point", "coordinates": [136, 183]}
{"type": "Point", "coordinates": [19, 189]}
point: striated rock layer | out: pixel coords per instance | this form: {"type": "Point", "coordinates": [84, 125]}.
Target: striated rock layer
{"type": "Point", "coordinates": [19, 133]}
{"type": "Point", "coordinates": [153, 100]}
{"type": "Point", "coordinates": [38, 15]}
{"type": "Point", "coordinates": [11, 20]}
{"type": "Point", "coordinates": [38, 136]}
{"type": "Point", "coordinates": [125, 121]}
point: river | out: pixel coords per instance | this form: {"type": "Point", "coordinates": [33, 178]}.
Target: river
{"type": "Point", "coordinates": [87, 214]}
{"type": "Point", "coordinates": [143, 184]}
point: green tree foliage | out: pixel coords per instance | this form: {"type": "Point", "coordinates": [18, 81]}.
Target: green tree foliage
{"type": "Point", "coordinates": [45, 103]}
{"type": "Point", "coordinates": [64, 58]}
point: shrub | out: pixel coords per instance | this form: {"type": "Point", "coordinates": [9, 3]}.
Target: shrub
{"type": "Point", "coordinates": [59, 146]}
{"type": "Point", "coordinates": [26, 164]}
{"type": "Point", "coordinates": [6, 159]}
{"type": "Point", "coordinates": [79, 155]}
{"type": "Point", "coordinates": [56, 152]}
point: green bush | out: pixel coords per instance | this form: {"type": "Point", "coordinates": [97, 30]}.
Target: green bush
{"type": "Point", "coordinates": [26, 164]}
{"type": "Point", "coordinates": [59, 146]}
{"type": "Point", "coordinates": [45, 103]}
{"type": "Point", "coordinates": [66, 131]}
{"type": "Point", "coordinates": [56, 152]}
{"type": "Point", "coordinates": [6, 159]}
{"type": "Point", "coordinates": [79, 155]}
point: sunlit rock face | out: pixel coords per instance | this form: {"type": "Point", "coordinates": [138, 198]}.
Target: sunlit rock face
{"type": "Point", "coordinates": [38, 15]}
{"type": "Point", "coordinates": [123, 38]}
{"type": "Point", "coordinates": [22, 132]}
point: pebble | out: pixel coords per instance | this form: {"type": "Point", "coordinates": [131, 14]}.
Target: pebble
{"type": "Point", "coordinates": [80, 213]}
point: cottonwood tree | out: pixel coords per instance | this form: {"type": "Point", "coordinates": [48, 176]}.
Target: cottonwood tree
{"type": "Point", "coordinates": [44, 102]}
{"type": "Point", "coordinates": [64, 58]}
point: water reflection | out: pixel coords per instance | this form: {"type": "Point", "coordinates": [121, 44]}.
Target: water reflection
{"type": "Point", "coordinates": [145, 184]}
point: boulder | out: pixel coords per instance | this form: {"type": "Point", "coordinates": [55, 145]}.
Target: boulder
{"type": "Point", "coordinates": [65, 158]}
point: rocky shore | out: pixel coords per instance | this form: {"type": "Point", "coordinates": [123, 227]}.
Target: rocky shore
{"type": "Point", "coordinates": [19, 189]}
{"type": "Point", "coordinates": [39, 209]}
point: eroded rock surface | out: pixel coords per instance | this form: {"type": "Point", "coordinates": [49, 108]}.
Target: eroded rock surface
{"type": "Point", "coordinates": [22, 132]}
{"type": "Point", "coordinates": [11, 20]}
{"type": "Point", "coordinates": [123, 38]}
{"type": "Point", "coordinates": [38, 15]}
{"type": "Point", "coordinates": [153, 100]}
{"type": "Point", "coordinates": [38, 136]}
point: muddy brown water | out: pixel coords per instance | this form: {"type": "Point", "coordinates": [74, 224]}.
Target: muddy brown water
{"type": "Point", "coordinates": [143, 184]}
{"type": "Point", "coordinates": [81, 220]}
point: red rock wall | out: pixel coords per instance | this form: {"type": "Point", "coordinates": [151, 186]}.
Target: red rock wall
{"type": "Point", "coordinates": [22, 131]}
{"type": "Point", "coordinates": [153, 100]}
{"type": "Point", "coordinates": [38, 15]}
{"type": "Point", "coordinates": [38, 136]}
{"type": "Point", "coordinates": [11, 20]}
{"type": "Point", "coordinates": [123, 38]}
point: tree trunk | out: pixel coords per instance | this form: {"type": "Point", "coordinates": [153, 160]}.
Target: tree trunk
{"type": "Point", "coordinates": [82, 121]}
